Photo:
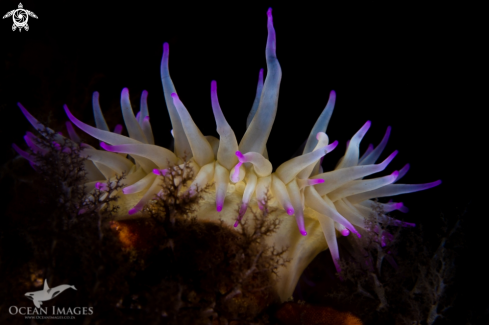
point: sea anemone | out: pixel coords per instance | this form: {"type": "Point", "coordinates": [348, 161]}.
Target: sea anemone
{"type": "Point", "coordinates": [314, 206]}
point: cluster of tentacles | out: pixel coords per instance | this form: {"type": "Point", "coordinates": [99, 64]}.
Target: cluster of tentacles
{"type": "Point", "coordinates": [320, 201]}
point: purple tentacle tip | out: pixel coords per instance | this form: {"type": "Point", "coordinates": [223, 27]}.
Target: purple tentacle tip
{"type": "Point", "coordinates": [290, 211]}
{"type": "Point", "coordinates": [269, 12]}
{"type": "Point", "coordinates": [345, 232]}
{"type": "Point", "coordinates": [146, 118]}
{"type": "Point", "coordinates": [219, 208]}
{"type": "Point", "coordinates": [303, 232]}
{"type": "Point", "coordinates": [236, 223]}
{"type": "Point", "coordinates": [133, 211]}
{"type": "Point", "coordinates": [239, 155]}
{"type": "Point", "coordinates": [166, 47]}
{"type": "Point", "coordinates": [213, 86]}
{"type": "Point", "coordinates": [118, 129]}
{"type": "Point", "coordinates": [105, 146]}
{"type": "Point", "coordinates": [102, 186]}
{"type": "Point", "coordinates": [174, 95]}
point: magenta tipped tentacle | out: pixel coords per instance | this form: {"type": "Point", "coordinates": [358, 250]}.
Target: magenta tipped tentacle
{"type": "Point", "coordinates": [37, 125]}
{"type": "Point", "coordinates": [327, 225]}
{"type": "Point", "coordinates": [259, 89]}
{"type": "Point", "coordinates": [113, 161]}
{"type": "Point", "coordinates": [291, 168]}
{"type": "Point", "coordinates": [118, 129]}
{"type": "Point", "coordinates": [325, 207]}
{"type": "Point", "coordinates": [370, 148]}
{"type": "Point", "coordinates": [181, 143]}
{"type": "Point", "coordinates": [147, 130]}
{"type": "Point", "coordinates": [204, 176]}
{"type": "Point", "coordinates": [391, 190]}
{"type": "Point", "coordinates": [138, 118]}
{"type": "Point", "coordinates": [257, 133]}
{"type": "Point", "coordinates": [140, 185]}
{"type": "Point", "coordinates": [24, 154]}
{"type": "Point", "coordinates": [105, 136]}
{"type": "Point", "coordinates": [261, 165]}
{"type": "Point", "coordinates": [313, 169]}
{"type": "Point", "coordinates": [228, 144]}
{"type": "Point", "coordinates": [361, 186]}
{"type": "Point", "coordinates": [340, 177]}
{"type": "Point", "coordinates": [150, 194]}
{"type": "Point", "coordinates": [296, 200]}
{"type": "Point", "coordinates": [280, 192]}
{"type": "Point", "coordinates": [221, 176]}
{"type": "Point", "coordinates": [30, 140]}
{"type": "Point", "coordinates": [201, 149]}
{"type": "Point", "coordinates": [160, 156]}
{"type": "Point", "coordinates": [97, 113]}
{"type": "Point", "coordinates": [375, 154]}
{"type": "Point", "coordinates": [102, 186]}
{"type": "Point", "coordinates": [72, 133]}
{"type": "Point", "coordinates": [144, 105]}
{"type": "Point", "coordinates": [402, 172]}
{"type": "Point", "coordinates": [132, 125]}
{"type": "Point", "coordinates": [352, 153]}
{"type": "Point", "coordinates": [321, 124]}
{"type": "Point", "coordinates": [308, 182]}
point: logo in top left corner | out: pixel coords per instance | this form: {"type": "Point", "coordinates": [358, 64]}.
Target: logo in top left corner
{"type": "Point", "coordinates": [20, 17]}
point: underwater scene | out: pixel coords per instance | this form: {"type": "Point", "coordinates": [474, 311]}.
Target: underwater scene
{"type": "Point", "coordinates": [251, 163]}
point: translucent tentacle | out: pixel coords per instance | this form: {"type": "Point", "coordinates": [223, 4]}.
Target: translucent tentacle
{"type": "Point", "coordinates": [403, 172]}
{"type": "Point", "coordinates": [214, 142]}
{"type": "Point", "coordinates": [140, 185]}
{"type": "Point", "coordinates": [336, 178]}
{"type": "Point", "coordinates": [258, 131]}
{"type": "Point", "coordinates": [370, 148]}
{"type": "Point", "coordinates": [321, 124]}
{"type": "Point", "coordinates": [251, 180]}
{"type": "Point", "coordinates": [72, 133]}
{"type": "Point", "coordinates": [228, 144]}
{"type": "Point", "coordinates": [322, 140]}
{"type": "Point", "coordinates": [375, 154]}
{"type": "Point", "coordinates": [105, 136]}
{"type": "Point", "coordinates": [111, 160]}
{"type": "Point", "coordinates": [326, 207]}
{"type": "Point", "coordinates": [39, 126]}
{"type": "Point", "coordinates": [281, 194]}
{"type": "Point", "coordinates": [155, 187]}
{"type": "Point", "coordinates": [204, 176]}
{"type": "Point", "coordinates": [391, 190]}
{"type": "Point", "coordinates": [296, 200]}
{"type": "Point", "coordinates": [289, 169]}
{"type": "Point", "coordinates": [32, 141]}
{"type": "Point", "coordinates": [162, 157]}
{"type": "Point", "coordinates": [221, 176]}
{"type": "Point", "coordinates": [257, 99]}
{"type": "Point", "coordinates": [201, 149]}
{"type": "Point", "coordinates": [147, 130]}
{"type": "Point", "coordinates": [262, 166]}
{"type": "Point", "coordinates": [327, 225]}
{"type": "Point", "coordinates": [352, 152]}
{"type": "Point", "coordinates": [361, 186]}
{"type": "Point", "coordinates": [181, 143]}
{"type": "Point", "coordinates": [132, 125]}
{"type": "Point", "coordinates": [97, 113]}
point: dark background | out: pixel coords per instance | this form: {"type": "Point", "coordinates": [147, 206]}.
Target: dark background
{"type": "Point", "coordinates": [412, 67]}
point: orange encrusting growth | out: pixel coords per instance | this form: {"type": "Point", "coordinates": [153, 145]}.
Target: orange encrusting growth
{"type": "Point", "coordinates": [293, 313]}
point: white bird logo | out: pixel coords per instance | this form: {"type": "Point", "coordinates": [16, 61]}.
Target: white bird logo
{"type": "Point", "coordinates": [20, 17]}
{"type": "Point", "coordinates": [47, 293]}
